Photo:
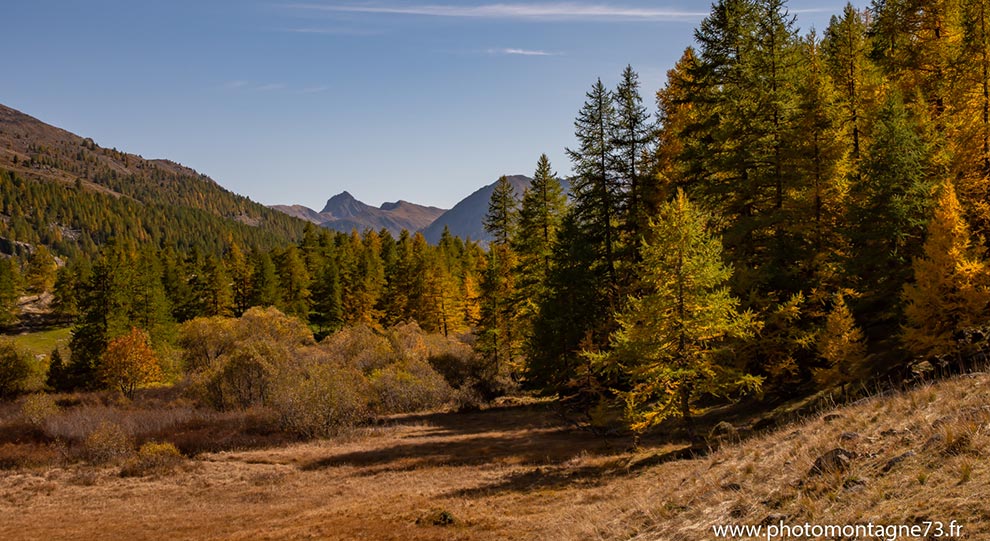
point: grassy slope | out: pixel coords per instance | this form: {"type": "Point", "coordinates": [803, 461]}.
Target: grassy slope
{"type": "Point", "coordinates": [522, 473]}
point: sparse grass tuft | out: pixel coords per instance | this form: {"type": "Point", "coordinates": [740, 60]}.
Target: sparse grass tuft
{"type": "Point", "coordinates": [965, 472]}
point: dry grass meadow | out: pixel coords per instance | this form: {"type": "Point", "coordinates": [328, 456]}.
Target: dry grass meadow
{"type": "Point", "coordinates": [521, 471]}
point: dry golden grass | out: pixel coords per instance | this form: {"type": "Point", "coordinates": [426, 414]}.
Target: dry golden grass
{"type": "Point", "coordinates": [520, 472]}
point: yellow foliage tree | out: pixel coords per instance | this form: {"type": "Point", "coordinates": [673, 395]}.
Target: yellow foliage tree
{"type": "Point", "coordinates": [129, 362]}
{"type": "Point", "coordinates": [842, 345]}
{"type": "Point", "coordinates": [672, 344]}
{"type": "Point", "coordinates": [950, 289]}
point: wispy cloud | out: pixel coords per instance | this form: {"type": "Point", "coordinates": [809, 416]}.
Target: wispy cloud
{"type": "Point", "coordinates": [314, 89]}
{"type": "Point", "coordinates": [532, 11]}
{"type": "Point", "coordinates": [521, 52]}
{"type": "Point", "coordinates": [248, 86]}
{"type": "Point", "coordinates": [334, 31]}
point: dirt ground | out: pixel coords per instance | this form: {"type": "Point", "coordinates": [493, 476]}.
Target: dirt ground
{"type": "Point", "coordinates": [508, 473]}
{"type": "Point", "coordinates": [523, 472]}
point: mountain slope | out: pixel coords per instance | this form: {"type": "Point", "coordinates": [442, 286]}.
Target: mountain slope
{"type": "Point", "coordinates": [343, 213]}
{"type": "Point", "coordinates": [466, 218]}
{"type": "Point", "coordinates": [61, 189]}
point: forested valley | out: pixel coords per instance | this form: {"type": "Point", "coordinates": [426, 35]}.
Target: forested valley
{"type": "Point", "coordinates": [793, 216]}
{"type": "Point", "coordinates": [798, 212]}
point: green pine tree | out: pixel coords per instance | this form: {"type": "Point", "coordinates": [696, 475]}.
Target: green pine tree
{"type": "Point", "coordinates": [632, 135]}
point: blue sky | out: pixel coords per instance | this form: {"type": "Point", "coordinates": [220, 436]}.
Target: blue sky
{"type": "Point", "coordinates": [294, 101]}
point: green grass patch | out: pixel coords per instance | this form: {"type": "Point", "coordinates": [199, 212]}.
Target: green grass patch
{"type": "Point", "coordinates": [43, 342]}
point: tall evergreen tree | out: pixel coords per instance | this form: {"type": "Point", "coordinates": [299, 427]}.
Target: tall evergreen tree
{"type": "Point", "coordinates": [633, 133]}
{"type": "Point", "coordinates": [41, 271]}
{"type": "Point", "coordinates": [845, 47]}
{"type": "Point", "coordinates": [976, 52]}
{"type": "Point", "coordinates": [399, 278]}
{"type": "Point", "coordinates": [240, 279]}
{"type": "Point", "coordinates": [572, 313]}
{"type": "Point", "coordinates": [821, 167]}
{"type": "Point", "coordinates": [501, 219]}
{"type": "Point", "coordinates": [499, 337]}
{"type": "Point", "coordinates": [327, 304]}
{"type": "Point", "coordinates": [888, 213]}
{"type": "Point", "coordinates": [264, 282]}
{"type": "Point", "coordinates": [214, 289]}
{"type": "Point", "coordinates": [677, 159]}
{"type": "Point", "coordinates": [149, 306]}
{"type": "Point", "coordinates": [596, 192]}
{"type": "Point", "coordinates": [104, 307]}
{"type": "Point", "coordinates": [543, 207]}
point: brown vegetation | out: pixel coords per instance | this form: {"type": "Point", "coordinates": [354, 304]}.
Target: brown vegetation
{"type": "Point", "coordinates": [522, 472]}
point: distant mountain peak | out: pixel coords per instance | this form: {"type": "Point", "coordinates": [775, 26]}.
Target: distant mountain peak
{"type": "Point", "coordinates": [465, 220]}
{"type": "Point", "coordinates": [343, 213]}
{"type": "Point", "coordinates": [343, 205]}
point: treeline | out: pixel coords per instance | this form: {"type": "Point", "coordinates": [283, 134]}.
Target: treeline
{"type": "Point", "coordinates": [329, 280]}
{"type": "Point", "coordinates": [799, 211]}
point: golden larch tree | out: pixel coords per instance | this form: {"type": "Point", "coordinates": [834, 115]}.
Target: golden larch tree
{"type": "Point", "coordinates": [842, 345]}
{"type": "Point", "coordinates": [950, 290]}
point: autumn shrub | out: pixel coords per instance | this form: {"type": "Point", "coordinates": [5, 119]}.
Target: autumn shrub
{"type": "Point", "coordinates": [74, 424]}
{"type": "Point", "coordinates": [108, 443]}
{"type": "Point", "coordinates": [205, 340]}
{"type": "Point", "coordinates": [272, 326]}
{"type": "Point", "coordinates": [408, 386]}
{"type": "Point", "coordinates": [153, 458]}
{"type": "Point", "coordinates": [361, 347]}
{"type": "Point", "coordinates": [233, 362]}
{"type": "Point", "coordinates": [266, 359]}
{"type": "Point", "coordinates": [129, 362]}
{"type": "Point", "coordinates": [408, 341]}
{"type": "Point", "coordinates": [321, 399]}
{"type": "Point", "coordinates": [38, 408]}
{"type": "Point", "coordinates": [15, 368]}
{"type": "Point", "coordinates": [242, 379]}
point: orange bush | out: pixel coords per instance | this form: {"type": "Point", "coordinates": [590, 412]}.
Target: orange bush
{"type": "Point", "coordinates": [129, 362]}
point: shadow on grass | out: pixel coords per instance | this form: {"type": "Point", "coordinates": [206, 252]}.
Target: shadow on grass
{"type": "Point", "coordinates": [530, 437]}
{"type": "Point", "coordinates": [519, 435]}
{"type": "Point", "coordinates": [559, 476]}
